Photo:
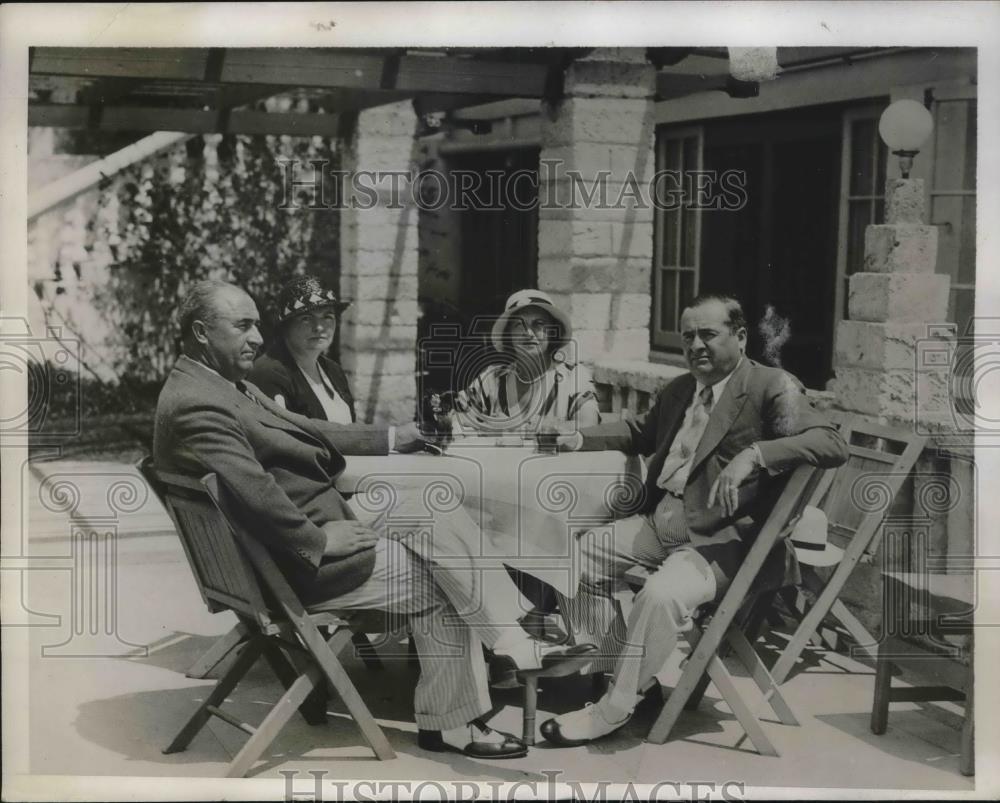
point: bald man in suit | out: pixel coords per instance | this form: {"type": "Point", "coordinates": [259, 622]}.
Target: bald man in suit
{"type": "Point", "coordinates": [280, 469]}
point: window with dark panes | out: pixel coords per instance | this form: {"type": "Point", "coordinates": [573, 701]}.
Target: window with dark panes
{"type": "Point", "coordinates": [864, 202]}
{"type": "Point", "coordinates": [953, 211]}
{"type": "Point", "coordinates": [677, 233]}
{"type": "Point", "coordinates": [953, 203]}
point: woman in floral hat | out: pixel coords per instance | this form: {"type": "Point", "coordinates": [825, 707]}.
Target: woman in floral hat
{"type": "Point", "coordinates": [295, 371]}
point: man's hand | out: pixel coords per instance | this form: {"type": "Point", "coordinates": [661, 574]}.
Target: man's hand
{"type": "Point", "coordinates": [346, 537]}
{"type": "Point", "coordinates": [562, 435]}
{"type": "Point", "coordinates": [408, 438]}
{"type": "Point", "coordinates": [727, 484]}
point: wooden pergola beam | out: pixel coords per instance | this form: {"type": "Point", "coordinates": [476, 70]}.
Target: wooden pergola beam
{"type": "Point", "coordinates": [302, 67]}
{"type": "Point", "coordinates": [190, 121]}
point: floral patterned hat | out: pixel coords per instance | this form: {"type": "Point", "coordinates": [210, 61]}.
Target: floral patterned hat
{"type": "Point", "coordinates": [305, 294]}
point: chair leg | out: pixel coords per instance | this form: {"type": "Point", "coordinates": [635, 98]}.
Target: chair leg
{"type": "Point", "coordinates": [865, 641]}
{"type": "Point", "coordinates": [530, 709]}
{"type": "Point", "coordinates": [275, 720]}
{"type": "Point", "coordinates": [341, 683]}
{"type": "Point", "coordinates": [367, 652]}
{"type": "Point", "coordinates": [698, 693]}
{"type": "Point", "coordinates": [218, 652]}
{"type": "Point", "coordinates": [751, 725]}
{"type": "Point", "coordinates": [883, 689]}
{"type": "Point", "coordinates": [412, 656]}
{"type": "Point", "coordinates": [226, 684]}
{"type": "Point", "coordinates": [967, 755]}
{"type": "Point", "coordinates": [690, 678]}
{"type": "Point", "coordinates": [313, 710]}
{"type": "Point", "coordinates": [760, 612]}
{"type": "Point", "coordinates": [818, 612]}
{"type": "Point", "coordinates": [771, 691]}
{"type": "Point", "coordinates": [704, 660]}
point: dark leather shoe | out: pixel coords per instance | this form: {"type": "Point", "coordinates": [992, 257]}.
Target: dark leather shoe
{"type": "Point", "coordinates": [544, 626]}
{"type": "Point", "coordinates": [509, 747]}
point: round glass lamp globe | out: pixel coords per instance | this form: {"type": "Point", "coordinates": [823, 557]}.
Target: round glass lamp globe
{"type": "Point", "coordinates": [905, 125]}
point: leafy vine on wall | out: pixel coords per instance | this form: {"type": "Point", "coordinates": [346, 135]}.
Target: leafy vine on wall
{"type": "Point", "coordinates": [207, 208]}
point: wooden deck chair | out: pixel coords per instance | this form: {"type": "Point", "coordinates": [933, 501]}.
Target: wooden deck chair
{"type": "Point", "coordinates": [226, 645]}
{"type": "Point", "coordinates": [724, 628]}
{"type": "Point", "coordinates": [856, 498]}
{"type": "Point", "coordinates": [235, 572]}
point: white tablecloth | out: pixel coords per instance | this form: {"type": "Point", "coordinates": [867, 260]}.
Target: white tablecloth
{"type": "Point", "coordinates": [527, 505]}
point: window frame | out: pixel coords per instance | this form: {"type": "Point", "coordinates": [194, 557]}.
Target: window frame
{"type": "Point", "coordinates": [851, 115]}
{"type": "Point", "coordinates": [950, 92]}
{"type": "Point", "coordinates": [665, 343]}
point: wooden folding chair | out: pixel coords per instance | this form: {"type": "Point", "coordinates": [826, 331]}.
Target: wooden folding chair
{"type": "Point", "coordinates": [724, 627]}
{"type": "Point", "coordinates": [229, 643]}
{"type": "Point", "coordinates": [856, 498]}
{"type": "Point", "coordinates": [235, 572]}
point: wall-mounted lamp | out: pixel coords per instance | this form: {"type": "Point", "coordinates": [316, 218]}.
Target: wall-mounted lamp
{"type": "Point", "coordinates": [904, 126]}
{"type": "Point", "coordinates": [753, 63]}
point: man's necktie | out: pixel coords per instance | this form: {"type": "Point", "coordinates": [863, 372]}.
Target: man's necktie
{"type": "Point", "coordinates": [677, 465]}
{"type": "Point", "coordinates": [242, 388]}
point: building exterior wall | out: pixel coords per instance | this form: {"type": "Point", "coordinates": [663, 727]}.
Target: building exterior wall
{"type": "Point", "coordinates": [379, 269]}
{"type": "Point", "coordinates": [594, 258]}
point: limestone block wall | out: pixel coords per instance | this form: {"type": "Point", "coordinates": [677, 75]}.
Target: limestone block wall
{"type": "Point", "coordinates": [379, 266]}
{"type": "Point", "coordinates": [594, 256]}
{"type": "Point", "coordinates": [888, 369]}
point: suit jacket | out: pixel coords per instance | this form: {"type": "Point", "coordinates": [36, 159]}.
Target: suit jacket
{"type": "Point", "coordinates": [275, 372]}
{"type": "Point", "coordinates": [278, 467]}
{"type": "Point", "coordinates": [761, 405]}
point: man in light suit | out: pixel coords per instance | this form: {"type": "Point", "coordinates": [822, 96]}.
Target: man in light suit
{"type": "Point", "coordinates": [723, 438]}
{"type": "Point", "coordinates": [280, 469]}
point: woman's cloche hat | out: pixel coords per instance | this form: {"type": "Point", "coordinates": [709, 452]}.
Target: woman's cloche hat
{"type": "Point", "coordinates": [521, 300]}
{"type": "Point", "coordinates": [305, 294]}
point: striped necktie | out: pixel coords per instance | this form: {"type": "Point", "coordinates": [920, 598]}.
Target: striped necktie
{"type": "Point", "coordinates": [677, 464]}
{"type": "Point", "coordinates": [242, 388]}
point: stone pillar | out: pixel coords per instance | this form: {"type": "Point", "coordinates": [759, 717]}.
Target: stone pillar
{"type": "Point", "coordinates": [379, 265]}
{"type": "Point", "coordinates": [594, 257]}
{"type": "Point", "coordinates": [888, 366]}
{"type": "Point", "coordinates": [896, 307]}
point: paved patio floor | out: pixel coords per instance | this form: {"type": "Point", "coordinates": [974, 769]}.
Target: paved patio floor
{"type": "Point", "coordinates": [111, 714]}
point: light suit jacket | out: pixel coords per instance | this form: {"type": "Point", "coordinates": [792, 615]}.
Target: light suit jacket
{"type": "Point", "coordinates": [761, 405]}
{"type": "Point", "coordinates": [278, 467]}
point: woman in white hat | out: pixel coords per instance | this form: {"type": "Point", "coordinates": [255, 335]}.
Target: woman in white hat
{"type": "Point", "coordinates": [542, 377]}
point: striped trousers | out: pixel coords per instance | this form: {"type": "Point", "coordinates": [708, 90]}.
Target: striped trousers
{"type": "Point", "coordinates": [453, 605]}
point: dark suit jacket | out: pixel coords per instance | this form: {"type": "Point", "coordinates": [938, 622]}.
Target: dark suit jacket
{"type": "Point", "coordinates": [759, 405]}
{"type": "Point", "coordinates": [275, 372]}
{"type": "Point", "coordinates": [278, 467]}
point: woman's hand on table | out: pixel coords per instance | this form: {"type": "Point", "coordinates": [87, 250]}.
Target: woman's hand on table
{"type": "Point", "coordinates": [564, 435]}
{"type": "Point", "coordinates": [408, 438]}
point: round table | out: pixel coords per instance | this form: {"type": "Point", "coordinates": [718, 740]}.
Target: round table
{"type": "Point", "coordinates": [527, 504]}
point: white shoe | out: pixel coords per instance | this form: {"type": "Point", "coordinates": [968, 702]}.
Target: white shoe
{"type": "Point", "coordinates": [583, 725]}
